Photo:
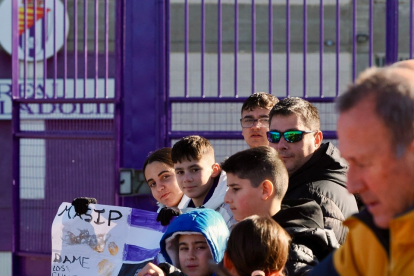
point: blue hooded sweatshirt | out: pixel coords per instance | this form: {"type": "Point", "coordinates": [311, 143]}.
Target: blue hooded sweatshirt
{"type": "Point", "coordinates": [207, 222]}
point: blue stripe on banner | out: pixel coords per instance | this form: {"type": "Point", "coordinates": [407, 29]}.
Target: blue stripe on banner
{"type": "Point", "coordinates": [134, 253]}
{"type": "Point", "coordinates": [145, 219]}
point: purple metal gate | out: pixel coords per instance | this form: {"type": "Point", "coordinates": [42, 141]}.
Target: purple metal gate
{"type": "Point", "coordinates": [64, 128]}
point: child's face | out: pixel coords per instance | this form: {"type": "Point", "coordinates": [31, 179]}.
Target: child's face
{"type": "Point", "coordinates": [243, 199]}
{"type": "Point", "coordinates": [195, 177]}
{"type": "Point", "coordinates": [194, 254]}
{"type": "Point", "coordinates": [163, 184]}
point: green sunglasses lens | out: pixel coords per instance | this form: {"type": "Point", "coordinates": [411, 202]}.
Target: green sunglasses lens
{"type": "Point", "coordinates": [293, 136]}
{"type": "Point", "coordinates": [273, 137]}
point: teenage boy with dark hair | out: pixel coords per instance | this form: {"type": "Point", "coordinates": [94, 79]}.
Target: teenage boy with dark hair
{"type": "Point", "coordinates": [255, 118]}
{"type": "Point", "coordinates": [257, 181]}
{"type": "Point", "coordinates": [316, 170]}
{"type": "Point", "coordinates": [199, 176]}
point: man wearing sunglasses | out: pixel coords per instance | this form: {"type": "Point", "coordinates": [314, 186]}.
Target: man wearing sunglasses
{"type": "Point", "coordinates": [316, 170]}
{"type": "Point", "coordinates": [255, 118]}
{"type": "Point", "coordinates": [376, 137]}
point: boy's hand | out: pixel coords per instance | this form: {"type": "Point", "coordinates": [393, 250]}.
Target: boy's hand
{"type": "Point", "coordinates": [150, 269]}
{"type": "Point", "coordinates": [81, 204]}
{"type": "Point", "coordinates": [165, 215]}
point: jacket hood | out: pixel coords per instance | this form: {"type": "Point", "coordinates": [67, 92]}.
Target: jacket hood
{"type": "Point", "coordinates": [325, 164]}
{"type": "Point", "coordinates": [203, 221]}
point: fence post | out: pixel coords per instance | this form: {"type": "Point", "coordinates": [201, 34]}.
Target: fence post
{"type": "Point", "coordinates": [391, 32]}
{"type": "Point", "coordinates": [143, 106]}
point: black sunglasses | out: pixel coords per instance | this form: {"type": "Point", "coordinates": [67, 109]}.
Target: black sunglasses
{"type": "Point", "coordinates": [291, 136]}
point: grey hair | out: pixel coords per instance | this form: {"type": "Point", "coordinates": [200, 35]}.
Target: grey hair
{"type": "Point", "coordinates": [394, 101]}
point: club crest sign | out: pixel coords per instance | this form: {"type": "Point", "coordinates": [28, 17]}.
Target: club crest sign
{"type": "Point", "coordinates": [38, 35]}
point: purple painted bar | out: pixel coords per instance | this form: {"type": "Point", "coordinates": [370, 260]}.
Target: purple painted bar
{"type": "Point", "coordinates": [253, 26]}
{"type": "Point", "coordinates": [75, 47]}
{"type": "Point", "coordinates": [229, 135]}
{"type": "Point", "coordinates": [137, 253]}
{"type": "Point", "coordinates": [26, 31]}
{"type": "Point", "coordinates": [354, 14]}
{"type": "Point", "coordinates": [391, 31]}
{"type": "Point", "coordinates": [411, 29]}
{"type": "Point", "coordinates": [64, 100]}
{"type": "Point", "coordinates": [287, 45]}
{"type": "Point", "coordinates": [270, 44]}
{"type": "Point", "coordinates": [55, 50]}
{"type": "Point", "coordinates": [106, 48]}
{"type": "Point", "coordinates": [44, 26]}
{"type": "Point", "coordinates": [63, 135]}
{"type": "Point", "coordinates": [321, 38]}
{"type": "Point", "coordinates": [219, 46]}
{"type": "Point", "coordinates": [237, 99]}
{"type": "Point", "coordinates": [203, 45]}
{"type": "Point", "coordinates": [371, 31]}
{"type": "Point", "coordinates": [236, 44]}
{"type": "Point", "coordinates": [96, 48]}
{"type": "Point", "coordinates": [34, 45]}
{"type": "Point", "coordinates": [16, 129]}
{"type": "Point", "coordinates": [305, 45]}
{"type": "Point", "coordinates": [337, 47]}
{"type": "Point", "coordinates": [186, 33]}
{"type": "Point", "coordinates": [65, 50]}
{"type": "Point", "coordinates": [85, 45]}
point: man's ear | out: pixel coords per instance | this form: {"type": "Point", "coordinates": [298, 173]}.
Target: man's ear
{"type": "Point", "coordinates": [267, 189]}
{"type": "Point", "coordinates": [216, 170]}
{"type": "Point", "coordinates": [318, 139]}
{"type": "Point", "coordinates": [228, 264]}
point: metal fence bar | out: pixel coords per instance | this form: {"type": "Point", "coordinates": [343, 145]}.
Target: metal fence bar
{"type": "Point", "coordinates": [65, 49]}
{"type": "Point", "coordinates": [253, 25]}
{"type": "Point", "coordinates": [371, 31]}
{"type": "Point", "coordinates": [270, 44]}
{"type": "Point", "coordinates": [85, 45]}
{"type": "Point", "coordinates": [219, 46]}
{"type": "Point", "coordinates": [55, 50]}
{"type": "Point", "coordinates": [75, 47]}
{"type": "Point", "coordinates": [106, 48]}
{"type": "Point", "coordinates": [411, 29]}
{"type": "Point", "coordinates": [96, 49]}
{"type": "Point", "coordinates": [305, 45]}
{"type": "Point", "coordinates": [391, 31]}
{"type": "Point", "coordinates": [34, 47]}
{"type": "Point", "coordinates": [321, 38]}
{"type": "Point", "coordinates": [203, 44]}
{"type": "Point", "coordinates": [354, 14]}
{"type": "Point", "coordinates": [186, 33]}
{"type": "Point", "coordinates": [44, 26]}
{"type": "Point", "coordinates": [236, 43]}
{"type": "Point", "coordinates": [287, 45]}
{"type": "Point", "coordinates": [237, 99]}
{"type": "Point", "coordinates": [25, 32]}
{"type": "Point", "coordinates": [337, 47]}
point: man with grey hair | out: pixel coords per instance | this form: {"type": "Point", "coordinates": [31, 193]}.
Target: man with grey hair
{"type": "Point", "coordinates": [376, 137]}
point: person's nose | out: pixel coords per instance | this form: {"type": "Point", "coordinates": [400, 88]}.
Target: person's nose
{"type": "Point", "coordinates": [355, 183]}
{"type": "Point", "coordinates": [282, 145]}
{"type": "Point", "coordinates": [227, 198]}
{"type": "Point", "coordinates": [191, 254]}
{"type": "Point", "coordinates": [188, 178]}
{"type": "Point", "coordinates": [159, 187]}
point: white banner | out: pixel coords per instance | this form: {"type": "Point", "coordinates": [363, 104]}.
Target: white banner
{"type": "Point", "coordinates": [104, 241]}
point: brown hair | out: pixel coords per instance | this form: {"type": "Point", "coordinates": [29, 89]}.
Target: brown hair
{"type": "Point", "coordinates": [191, 147]}
{"type": "Point", "coordinates": [259, 99]}
{"type": "Point", "coordinates": [308, 113]}
{"type": "Point", "coordinates": [259, 164]}
{"type": "Point", "coordinates": [162, 155]}
{"type": "Point", "coordinates": [258, 243]}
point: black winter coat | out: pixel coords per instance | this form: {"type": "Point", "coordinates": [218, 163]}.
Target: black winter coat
{"type": "Point", "coordinates": [303, 220]}
{"type": "Point", "coordinates": [323, 179]}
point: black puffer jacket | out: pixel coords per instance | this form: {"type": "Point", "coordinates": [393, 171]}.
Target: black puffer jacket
{"type": "Point", "coordinates": [323, 179]}
{"type": "Point", "coordinates": [303, 220]}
